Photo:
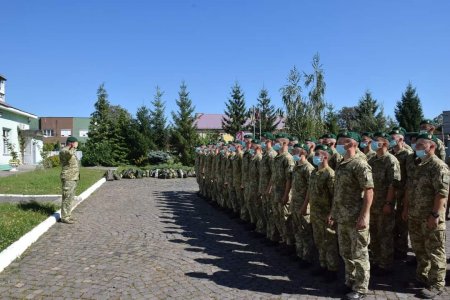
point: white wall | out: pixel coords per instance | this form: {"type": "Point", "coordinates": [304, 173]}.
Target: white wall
{"type": "Point", "coordinates": [13, 138]}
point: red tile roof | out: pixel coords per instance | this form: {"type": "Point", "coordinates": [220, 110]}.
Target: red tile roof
{"type": "Point", "coordinates": [214, 121]}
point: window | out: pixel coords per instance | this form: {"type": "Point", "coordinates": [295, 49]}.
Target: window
{"type": "Point", "coordinates": [83, 133]}
{"type": "Point", "coordinates": [5, 134]}
{"type": "Point", "coordinates": [49, 132]}
{"type": "Point", "coordinates": [66, 132]}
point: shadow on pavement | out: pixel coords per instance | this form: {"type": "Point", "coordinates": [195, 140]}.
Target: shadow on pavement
{"type": "Point", "coordinates": [245, 262]}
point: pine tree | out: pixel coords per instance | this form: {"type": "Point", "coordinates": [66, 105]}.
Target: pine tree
{"type": "Point", "coordinates": [184, 134]}
{"type": "Point", "coordinates": [408, 110]}
{"type": "Point", "coordinates": [267, 115]}
{"type": "Point", "coordinates": [370, 114]}
{"type": "Point", "coordinates": [97, 149]}
{"type": "Point", "coordinates": [236, 113]}
{"type": "Point", "coordinates": [158, 121]}
{"type": "Point", "coordinates": [138, 136]}
{"type": "Point", "coordinates": [331, 120]}
{"type": "Point", "coordinates": [121, 122]}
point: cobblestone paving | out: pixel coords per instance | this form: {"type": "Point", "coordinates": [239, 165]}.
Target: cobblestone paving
{"type": "Point", "coordinates": [155, 239]}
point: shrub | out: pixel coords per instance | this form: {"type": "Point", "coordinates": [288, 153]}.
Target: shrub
{"type": "Point", "coordinates": [51, 162]}
{"type": "Point", "coordinates": [159, 157]}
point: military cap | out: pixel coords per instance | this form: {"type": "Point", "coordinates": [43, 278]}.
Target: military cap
{"type": "Point", "coordinates": [398, 130]}
{"type": "Point", "coordinates": [382, 135]}
{"type": "Point", "coordinates": [427, 136]}
{"type": "Point", "coordinates": [311, 140]}
{"type": "Point", "coordinates": [350, 135]}
{"type": "Point", "coordinates": [426, 121]}
{"type": "Point", "coordinates": [368, 134]}
{"type": "Point", "coordinates": [71, 139]}
{"type": "Point", "coordinates": [324, 148]}
{"type": "Point", "coordinates": [328, 136]}
{"type": "Point", "coordinates": [302, 146]}
{"type": "Point", "coordinates": [294, 138]}
{"type": "Point", "coordinates": [256, 141]}
{"type": "Point", "coordinates": [281, 135]}
{"type": "Point", "coordinates": [269, 136]}
{"type": "Point", "coordinates": [248, 136]}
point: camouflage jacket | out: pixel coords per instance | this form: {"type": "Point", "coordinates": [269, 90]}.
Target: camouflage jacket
{"type": "Point", "coordinates": [353, 176]}
{"type": "Point", "coordinates": [335, 159]}
{"type": "Point", "coordinates": [282, 172]}
{"type": "Point", "coordinates": [229, 169]}
{"type": "Point", "coordinates": [246, 157]}
{"type": "Point", "coordinates": [265, 171]}
{"type": "Point", "coordinates": [370, 154]}
{"type": "Point", "coordinates": [320, 192]}
{"type": "Point", "coordinates": [300, 181]}
{"type": "Point", "coordinates": [237, 170]}
{"type": "Point", "coordinates": [385, 172]}
{"type": "Point", "coordinates": [70, 166]}
{"type": "Point", "coordinates": [431, 177]}
{"type": "Point", "coordinates": [440, 150]}
{"type": "Point", "coordinates": [253, 173]}
{"type": "Point", "coordinates": [402, 157]}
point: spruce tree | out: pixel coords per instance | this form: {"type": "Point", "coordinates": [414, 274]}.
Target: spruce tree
{"type": "Point", "coordinates": [331, 120]}
{"type": "Point", "coordinates": [184, 132]}
{"type": "Point", "coordinates": [117, 136]}
{"type": "Point", "coordinates": [158, 121]}
{"type": "Point", "coordinates": [266, 113]}
{"type": "Point", "coordinates": [408, 110]}
{"type": "Point", "coordinates": [235, 113]}
{"type": "Point", "coordinates": [370, 114]}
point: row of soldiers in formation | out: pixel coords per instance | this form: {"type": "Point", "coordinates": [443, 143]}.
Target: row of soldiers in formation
{"type": "Point", "coordinates": [337, 194]}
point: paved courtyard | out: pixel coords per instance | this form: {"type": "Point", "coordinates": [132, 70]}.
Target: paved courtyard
{"type": "Point", "coordinates": [155, 239]}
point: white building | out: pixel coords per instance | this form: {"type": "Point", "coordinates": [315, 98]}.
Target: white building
{"type": "Point", "coordinates": [12, 122]}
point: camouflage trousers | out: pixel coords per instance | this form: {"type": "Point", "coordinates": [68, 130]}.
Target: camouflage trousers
{"type": "Point", "coordinates": [265, 211]}
{"type": "Point", "coordinates": [304, 242]}
{"type": "Point", "coordinates": [429, 247]}
{"type": "Point", "coordinates": [244, 204]}
{"type": "Point", "coordinates": [251, 204]}
{"type": "Point", "coordinates": [68, 195]}
{"type": "Point", "coordinates": [326, 243]}
{"type": "Point", "coordinates": [258, 211]}
{"type": "Point", "coordinates": [286, 223]}
{"type": "Point", "coordinates": [382, 239]}
{"type": "Point", "coordinates": [401, 227]}
{"type": "Point", "coordinates": [353, 247]}
{"type": "Point", "coordinates": [273, 214]}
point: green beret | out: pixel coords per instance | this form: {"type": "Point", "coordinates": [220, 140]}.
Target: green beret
{"type": "Point", "coordinates": [269, 136]}
{"type": "Point", "coordinates": [311, 140]}
{"type": "Point", "coordinates": [302, 146]}
{"type": "Point", "coordinates": [282, 135]}
{"type": "Point", "coordinates": [71, 139]}
{"type": "Point", "coordinates": [248, 136]}
{"type": "Point", "coordinates": [427, 136]}
{"type": "Point", "coordinates": [294, 138]}
{"type": "Point", "coordinates": [328, 136]}
{"type": "Point", "coordinates": [427, 121]}
{"type": "Point", "coordinates": [381, 135]}
{"type": "Point", "coordinates": [324, 148]}
{"type": "Point", "coordinates": [256, 141]}
{"type": "Point", "coordinates": [368, 134]}
{"type": "Point", "coordinates": [350, 135]}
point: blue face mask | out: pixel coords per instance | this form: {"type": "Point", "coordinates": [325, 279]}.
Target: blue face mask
{"type": "Point", "coordinates": [252, 151]}
{"type": "Point", "coordinates": [363, 145]}
{"type": "Point", "coordinates": [341, 149]}
{"type": "Point", "coordinates": [420, 153]}
{"type": "Point", "coordinates": [393, 143]}
{"type": "Point", "coordinates": [296, 157]}
{"type": "Point", "coordinates": [413, 146]}
{"type": "Point", "coordinates": [374, 146]}
{"type": "Point", "coordinates": [317, 160]}
{"type": "Point", "coordinates": [263, 145]}
{"type": "Point", "coordinates": [277, 147]}
{"type": "Point", "coordinates": [232, 149]}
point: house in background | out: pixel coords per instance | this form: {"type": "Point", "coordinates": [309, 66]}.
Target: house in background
{"type": "Point", "coordinates": [58, 129]}
{"type": "Point", "coordinates": [13, 122]}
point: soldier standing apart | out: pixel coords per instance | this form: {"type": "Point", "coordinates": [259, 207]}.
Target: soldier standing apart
{"type": "Point", "coordinates": [301, 223]}
{"type": "Point", "coordinates": [353, 195]}
{"type": "Point", "coordinates": [386, 177]}
{"type": "Point", "coordinates": [70, 174]}
{"type": "Point", "coordinates": [425, 208]}
{"type": "Point", "coordinates": [320, 199]}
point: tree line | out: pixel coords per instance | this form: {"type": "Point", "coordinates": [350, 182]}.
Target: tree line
{"type": "Point", "coordinates": [116, 137]}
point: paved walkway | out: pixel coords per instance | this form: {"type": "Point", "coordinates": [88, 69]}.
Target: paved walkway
{"type": "Point", "coordinates": [155, 239]}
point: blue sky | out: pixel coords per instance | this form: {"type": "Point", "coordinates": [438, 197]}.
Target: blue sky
{"type": "Point", "coordinates": [56, 53]}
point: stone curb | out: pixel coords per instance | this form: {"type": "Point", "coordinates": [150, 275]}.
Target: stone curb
{"type": "Point", "coordinates": [16, 249]}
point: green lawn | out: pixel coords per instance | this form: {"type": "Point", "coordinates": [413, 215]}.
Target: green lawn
{"type": "Point", "coordinates": [19, 218]}
{"type": "Point", "coordinates": [46, 182]}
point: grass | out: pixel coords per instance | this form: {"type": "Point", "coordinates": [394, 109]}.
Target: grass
{"type": "Point", "coordinates": [46, 181]}
{"type": "Point", "coordinates": [19, 218]}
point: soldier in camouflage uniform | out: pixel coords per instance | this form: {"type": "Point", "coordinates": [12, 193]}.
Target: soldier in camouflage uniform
{"type": "Point", "coordinates": [425, 208]}
{"type": "Point", "coordinates": [329, 140]}
{"type": "Point", "coordinates": [70, 174]}
{"type": "Point", "coordinates": [386, 177]}
{"type": "Point", "coordinates": [353, 195]}
{"type": "Point", "coordinates": [320, 199]}
{"type": "Point", "coordinates": [266, 171]}
{"type": "Point", "coordinates": [365, 145]}
{"type": "Point", "coordinates": [222, 193]}
{"type": "Point", "coordinates": [228, 179]}
{"type": "Point", "coordinates": [255, 205]}
{"type": "Point", "coordinates": [427, 126]}
{"type": "Point", "coordinates": [398, 148]}
{"type": "Point", "coordinates": [311, 143]}
{"type": "Point", "coordinates": [301, 223]}
{"type": "Point", "coordinates": [237, 177]}
{"type": "Point", "coordinates": [216, 196]}
{"type": "Point", "coordinates": [245, 216]}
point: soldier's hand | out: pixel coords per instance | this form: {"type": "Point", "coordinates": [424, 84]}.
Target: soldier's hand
{"type": "Point", "coordinates": [432, 222]}
{"type": "Point", "coordinates": [405, 214]}
{"type": "Point", "coordinates": [387, 209]}
{"type": "Point", "coordinates": [363, 222]}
